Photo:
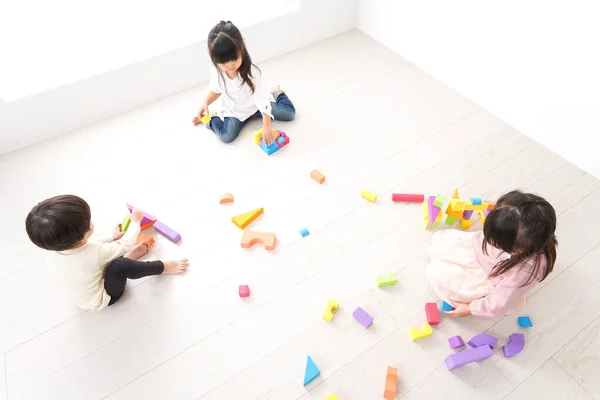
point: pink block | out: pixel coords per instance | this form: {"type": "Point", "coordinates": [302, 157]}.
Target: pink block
{"type": "Point", "coordinates": [411, 198]}
{"type": "Point", "coordinates": [433, 315]}
{"type": "Point", "coordinates": [168, 232]}
{"type": "Point", "coordinates": [433, 210]}
{"type": "Point", "coordinates": [147, 217]}
{"type": "Point", "coordinates": [244, 291]}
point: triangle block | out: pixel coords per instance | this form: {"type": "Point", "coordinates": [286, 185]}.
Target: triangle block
{"type": "Point", "coordinates": [433, 210]}
{"type": "Point", "coordinates": [311, 371]}
{"type": "Point", "coordinates": [243, 220]}
{"type": "Point", "coordinates": [455, 195]}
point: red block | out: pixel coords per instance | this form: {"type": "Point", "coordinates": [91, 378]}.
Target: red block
{"type": "Point", "coordinates": [244, 291]}
{"type": "Point", "coordinates": [412, 198]}
{"type": "Point", "coordinates": [433, 316]}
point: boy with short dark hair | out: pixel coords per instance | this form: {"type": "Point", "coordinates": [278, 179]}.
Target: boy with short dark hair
{"type": "Point", "coordinates": [95, 270]}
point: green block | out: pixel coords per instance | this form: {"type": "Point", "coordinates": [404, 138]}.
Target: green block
{"type": "Point", "coordinates": [439, 201]}
{"type": "Point", "coordinates": [427, 226]}
{"type": "Point", "coordinates": [450, 220]}
{"type": "Point", "coordinates": [386, 280]}
{"type": "Point", "coordinates": [125, 223]}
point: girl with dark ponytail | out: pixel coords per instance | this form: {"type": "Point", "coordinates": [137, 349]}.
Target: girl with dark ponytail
{"type": "Point", "coordinates": [239, 82]}
{"type": "Point", "coordinates": [489, 273]}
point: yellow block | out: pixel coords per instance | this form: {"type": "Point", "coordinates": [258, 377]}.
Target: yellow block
{"type": "Point", "coordinates": [243, 220]}
{"type": "Point", "coordinates": [205, 119]}
{"type": "Point", "coordinates": [257, 136]}
{"type": "Point", "coordinates": [482, 206]}
{"type": "Point", "coordinates": [426, 213]}
{"type": "Point", "coordinates": [457, 205]}
{"type": "Point", "coordinates": [331, 307]}
{"type": "Point", "coordinates": [482, 216]}
{"type": "Point", "coordinates": [455, 195]}
{"type": "Point", "coordinates": [372, 197]}
{"type": "Point", "coordinates": [466, 223]}
{"type": "Point", "coordinates": [331, 397]}
{"type": "Point", "coordinates": [416, 334]}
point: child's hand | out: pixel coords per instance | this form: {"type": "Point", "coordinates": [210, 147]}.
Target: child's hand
{"type": "Point", "coordinates": [460, 310]}
{"type": "Point", "coordinates": [203, 110]}
{"type": "Point", "coordinates": [268, 137]}
{"type": "Point", "coordinates": [136, 215]}
{"type": "Point", "coordinates": [117, 234]}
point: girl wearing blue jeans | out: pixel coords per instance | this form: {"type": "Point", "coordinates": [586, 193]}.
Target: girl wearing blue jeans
{"type": "Point", "coordinates": [239, 81]}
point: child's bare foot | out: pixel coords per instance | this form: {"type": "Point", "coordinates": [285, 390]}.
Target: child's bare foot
{"type": "Point", "coordinates": [137, 251]}
{"type": "Point", "coordinates": [175, 266]}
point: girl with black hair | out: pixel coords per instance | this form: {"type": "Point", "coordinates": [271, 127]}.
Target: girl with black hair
{"type": "Point", "coordinates": [236, 79]}
{"type": "Point", "coordinates": [489, 273]}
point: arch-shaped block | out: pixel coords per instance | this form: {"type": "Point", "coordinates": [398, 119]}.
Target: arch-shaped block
{"type": "Point", "coordinates": [515, 345]}
{"type": "Point", "coordinates": [482, 340]}
{"type": "Point", "coordinates": [250, 238]}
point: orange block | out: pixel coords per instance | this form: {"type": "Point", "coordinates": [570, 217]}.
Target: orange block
{"type": "Point", "coordinates": [317, 176]}
{"type": "Point", "coordinates": [390, 383]}
{"type": "Point", "coordinates": [226, 198]}
{"type": "Point", "coordinates": [250, 238]}
{"type": "Point", "coordinates": [145, 238]}
{"type": "Point", "coordinates": [275, 134]}
{"type": "Point", "coordinates": [148, 225]}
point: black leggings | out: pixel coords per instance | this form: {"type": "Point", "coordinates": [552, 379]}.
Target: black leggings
{"type": "Point", "coordinates": [117, 272]}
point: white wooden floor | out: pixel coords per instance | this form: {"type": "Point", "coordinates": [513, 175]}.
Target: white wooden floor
{"type": "Point", "coordinates": [367, 119]}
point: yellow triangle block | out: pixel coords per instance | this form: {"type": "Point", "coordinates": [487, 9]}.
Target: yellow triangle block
{"type": "Point", "coordinates": [243, 220]}
{"type": "Point", "coordinates": [455, 195]}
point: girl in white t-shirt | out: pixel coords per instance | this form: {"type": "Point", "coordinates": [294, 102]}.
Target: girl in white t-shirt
{"type": "Point", "coordinates": [239, 82]}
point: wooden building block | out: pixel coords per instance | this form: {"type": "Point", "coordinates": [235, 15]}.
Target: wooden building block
{"type": "Point", "coordinates": [250, 238]}
{"type": "Point", "coordinates": [416, 334]}
{"type": "Point", "coordinates": [362, 317]}
{"type": "Point", "coordinates": [331, 307]}
{"type": "Point", "coordinates": [148, 225]}
{"type": "Point", "coordinates": [317, 176]}
{"type": "Point", "coordinates": [145, 238]}
{"type": "Point", "coordinates": [243, 220]}
{"type": "Point", "coordinates": [456, 342]}
{"type": "Point", "coordinates": [244, 291]}
{"type": "Point", "coordinates": [390, 383]}
{"type": "Point", "coordinates": [386, 280]}
{"type": "Point", "coordinates": [372, 197]}
{"type": "Point", "coordinates": [125, 223]}
{"type": "Point", "coordinates": [226, 198]}
{"type": "Point", "coordinates": [433, 315]}
{"type": "Point", "coordinates": [168, 232]}
{"type": "Point", "coordinates": [257, 136]}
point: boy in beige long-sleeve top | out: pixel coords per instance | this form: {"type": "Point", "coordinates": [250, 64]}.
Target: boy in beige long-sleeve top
{"type": "Point", "coordinates": [96, 270]}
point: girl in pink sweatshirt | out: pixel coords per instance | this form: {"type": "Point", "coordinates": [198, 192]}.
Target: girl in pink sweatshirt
{"type": "Point", "coordinates": [489, 273]}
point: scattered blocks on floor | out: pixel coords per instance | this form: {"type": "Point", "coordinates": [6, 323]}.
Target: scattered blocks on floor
{"type": "Point", "coordinates": [386, 280]}
{"type": "Point", "coordinates": [390, 383]}
{"type": "Point", "coordinates": [243, 220]}
{"type": "Point", "coordinates": [311, 371]}
{"type": "Point", "coordinates": [446, 307]}
{"type": "Point", "coordinates": [468, 356]}
{"type": "Point", "coordinates": [416, 334]}
{"type": "Point", "coordinates": [433, 316]}
{"type": "Point", "coordinates": [515, 345]}
{"type": "Point", "coordinates": [250, 238]}
{"type": "Point", "coordinates": [244, 291]}
{"type": "Point", "coordinates": [168, 232]}
{"type": "Point", "coordinates": [317, 176]}
{"type": "Point", "coordinates": [226, 198]}
{"type": "Point", "coordinates": [525, 322]}
{"type": "Point", "coordinates": [146, 239]}
{"type": "Point", "coordinates": [372, 197]}
{"type": "Point", "coordinates": [125, 224]}
{"type": "Point", "coordinates": [456, 342]}
{"type": "Point", "coordinates": [304, 232]}
{"type": "Point", "coordinates": [363, 317]}
{"type": "Point", "coordinates": [483, 340]}
{"type": "Point", "coordinates": [409, 198]}
{"type": "Point", "coordinates": [331, 307]}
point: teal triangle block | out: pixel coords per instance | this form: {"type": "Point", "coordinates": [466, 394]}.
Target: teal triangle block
{"type": "Point", "coordinates": [311, 371]}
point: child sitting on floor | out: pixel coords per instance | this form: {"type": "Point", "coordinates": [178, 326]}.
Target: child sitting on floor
{"type": "Point", "coordinates": [96, 271]}
{"type": "Point", "coordinates": [489, 273]}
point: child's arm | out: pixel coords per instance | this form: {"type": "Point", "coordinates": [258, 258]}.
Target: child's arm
{"type": "Point", "coordinates": [116, 249]}
{"type": "Point", "coordinates": [263, 103]}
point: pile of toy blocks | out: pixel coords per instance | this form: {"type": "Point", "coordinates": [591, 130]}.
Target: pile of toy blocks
{"type": "Point", "coordinates": [457, 210]}
{"type": "Point", "coordinates": [280, 139]}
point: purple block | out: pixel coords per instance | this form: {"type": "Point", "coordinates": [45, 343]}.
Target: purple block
{"type": "Point", "coordinates": [147, 217]}
{"type": "Point", "coordinates": [168, 232]}
{"type": "Point", "coordinates": [432, 209]}
{"type": "Point", "coordinates": [363, 317]}
{"type": "Point", "coordinates": [456, 342]}
{"type": "Point", "coordinates": [515, 345]}
{"type": "Point", "coordinates": [467, 214]}
{"type": "Point", "coordinates": [482, 340]}
{"type": "Point", "coordinates": [486, 213]}
{"type": "Point", "coordinates": [468, 356]}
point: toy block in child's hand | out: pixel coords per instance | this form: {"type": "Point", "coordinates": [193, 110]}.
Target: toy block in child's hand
{"type": "Point", "coordinates": [148, 219]}
{"type": "Point", "coordinates": [250, 238]}
{"type": "Point", "coordinates": [146, 239]}
{"type": "Point", "coordinates": [125, 223]}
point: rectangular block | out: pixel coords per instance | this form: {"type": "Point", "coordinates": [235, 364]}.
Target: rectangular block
{"type": "Point", "coordinates": [433, 316]}
{"type": "Point", "coordinates": [439, 201]}
{"type": "Point", "coordinates": [467, 214]}
{"type": "Point", "coordinates": [372, 197]}
{"type": "Point", "coordinates": [470, 206]}
{"type": "Point", "coordinates": [450, 220]}
{"type": "Point", "coordinates": [456, 342]}
{"type": "Point", "coordinates": [386, 280]}
{"type": "Point", "coordinates": [257, 137]}
{"type": "Point", "coordinates": [468, 356]}
{"type": "Point", "coordinates": [466, 223]}
{"type": "Point", "coordinates": [244, 291]}
{"type": "Point", "coordinates": [125, 223]}
{"type": "Point", "coordinates": [148, 219]}
{"type": "Point", "coordinates": [409, 198]}
{"type": "Point", "coordinates": [390, 383]}
{"type": "Point", "coordinates": [457, 204]}
{"type": "Point", "coordinates": [317, 176]}
{"type": "Point", "coordinates": [304, 232]}
{"type": "Point", "coordinates": [363, 317]}
{"type": "Point", "coordinates": [416, 334]}
{"type": "Point", "coordinates": [145, 238]}
{"type": "Point", "coordinates": [168, 232]}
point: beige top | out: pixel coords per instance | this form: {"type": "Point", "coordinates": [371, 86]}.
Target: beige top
{"type": "Point", "coordinates": [83, 268]}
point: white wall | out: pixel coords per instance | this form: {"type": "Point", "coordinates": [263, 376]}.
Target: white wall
{"type": "Point", "coordinates": [535, 64]}
{"type": "Point", "coordinates": [37, 117]}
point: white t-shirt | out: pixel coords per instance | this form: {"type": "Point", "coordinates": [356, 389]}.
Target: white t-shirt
{"type": "Point", "coordinates": [238, 99]}
{"type": "Point", "coordinates": [82, 268]}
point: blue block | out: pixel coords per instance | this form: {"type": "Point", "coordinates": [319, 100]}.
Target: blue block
{"type": "Point", "coordinates": [476, 201]}
{"type": "Point", "coordinates": [525, 322]}
{"type": "Point", "coordinates": [445, 306]}
{"type": "Point", "coordinates": [304, 232]}
{"type": "Point", "coordinates": [280, 140]}
{"type": "Point", "coordinates": [270, 149]}
{"type": "Point", "coordinates": [311, 371]}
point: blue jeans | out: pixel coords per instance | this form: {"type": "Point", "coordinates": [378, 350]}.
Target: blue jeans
{"type": "Point", "coordinates": [229, 128]}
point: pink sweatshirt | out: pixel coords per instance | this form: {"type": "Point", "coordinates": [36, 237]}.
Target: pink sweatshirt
{"type": "Point", "coordinates": [509, 292]}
